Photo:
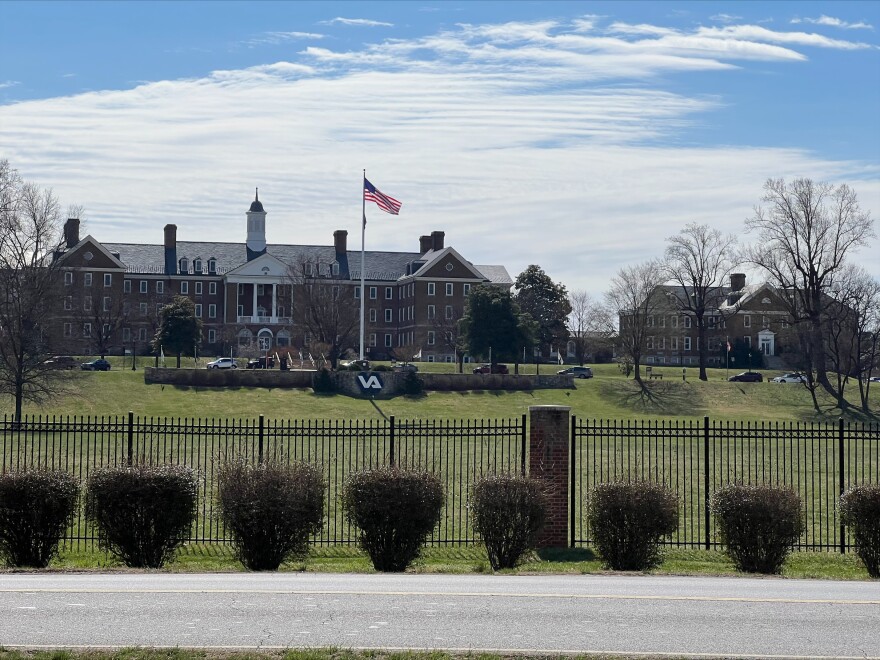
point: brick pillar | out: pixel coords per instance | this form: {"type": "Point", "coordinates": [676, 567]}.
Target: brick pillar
{"type": "Point", "coordinates": [549, 460]}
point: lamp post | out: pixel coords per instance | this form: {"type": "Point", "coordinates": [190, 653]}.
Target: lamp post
{"type": "Point", "coordinates": [133, 354]}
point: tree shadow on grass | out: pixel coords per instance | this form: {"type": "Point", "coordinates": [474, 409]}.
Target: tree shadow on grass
{"type": "Point", "coordinates": [650, 397]}
{"type": "Point", "coordinates": [566, 554]}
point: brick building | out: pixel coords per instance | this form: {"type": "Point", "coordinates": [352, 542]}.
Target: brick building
{"type": "Point", "coordinates": [249, 295]}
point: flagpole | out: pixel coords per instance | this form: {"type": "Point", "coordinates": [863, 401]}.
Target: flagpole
{"type": "Point", "coordinates": [363, 232]}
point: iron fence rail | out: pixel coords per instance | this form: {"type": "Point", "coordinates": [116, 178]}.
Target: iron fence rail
{"type": "Point", "coordinates": [697, 458]}
{"type": "Point", "coordinates": [459, 452]}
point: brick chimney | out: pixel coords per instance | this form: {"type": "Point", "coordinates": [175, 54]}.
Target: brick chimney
{"type": "Point", "coordinates": [170, 249]}
{"type": "Point", "coordinates": [340, 241]}
{"type": "Point", "coordinates": [425, 244]}
{"type": "Point", "coordinates": [737, 281]}
{"type": "Point", "coordinates": [71, 232]}
{"type": "Point", "coordinates": [437, 240]}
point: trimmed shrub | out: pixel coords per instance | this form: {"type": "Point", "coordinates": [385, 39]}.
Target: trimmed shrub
{"type": "Point", "coordinates": [271, 510]}
{"type": "Point", "coordinates": [143, 513]}
{"type": "Point", "coordinates": [378, 367]}
{"type": "Point", "coordinates": [758, 524]}
{"type": "Point", "coordinates": [36, 507]}
{"type": "Point", "coordinates": [509, 513]}
{"type": "Point", "coordinates": [628, 520]}
{"type": "Point", "coordinates": [860, 511]}
{"type": "Point", "coordinates": [413, 385]}
{"type": "Point", "coordinates": [323, 382]}
{"type": "Point", "coordinates": [394, 510]}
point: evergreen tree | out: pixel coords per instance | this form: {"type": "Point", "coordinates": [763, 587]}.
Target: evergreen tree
{"type": "Point", "coordinates": [547, 303]}
{"type": "Point", "coordinates": [493, 320]}
{"type": "Point", "coordinates": [179, 328]}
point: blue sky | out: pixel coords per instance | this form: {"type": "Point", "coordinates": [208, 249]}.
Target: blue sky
{"type": "Point", "coordinates": [576, 135]}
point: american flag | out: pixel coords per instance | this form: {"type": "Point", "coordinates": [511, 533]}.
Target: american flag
{"type": "Point", "coordinates": [383, 201]}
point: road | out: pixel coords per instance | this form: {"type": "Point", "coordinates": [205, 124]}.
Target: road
{"type": "Point", "coordinates": [625, 614]}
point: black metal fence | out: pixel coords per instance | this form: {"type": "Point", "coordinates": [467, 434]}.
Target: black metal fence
{"type": "Point", "coordinates": [696, 458]}
{"type": "Point", "coordinates": [457, 451]}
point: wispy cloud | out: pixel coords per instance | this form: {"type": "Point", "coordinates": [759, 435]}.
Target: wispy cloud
{"type": "Point", "coordinates": [366, 22]}
{"type": "Point", "coordinates": [9, 83]}
{"type": "Point", "coordinates": [834, 22]}
{"type": "Point", "coordinates": [725, 18]}
{"type": "Point", "coordinates": [68, 75]}
{"type": "Point", "coordinates": [275, 38]}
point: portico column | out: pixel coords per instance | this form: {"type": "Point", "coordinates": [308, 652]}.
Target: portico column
{"type": "Point", "coordinates": [254, 308]}
{"type": "Point", "coordinates": [274, 301]}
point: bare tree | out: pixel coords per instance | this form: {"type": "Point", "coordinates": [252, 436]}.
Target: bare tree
{"type": "Point", "coordinates": [634, 297]}
{"type": "Point", "coordinates": [319, 301]}
{"type": "Point", "coordinates": [699, 261]}
{"type": "Point", "coordinates": [30, 234]}
{"type": "Point", "coordinates": [590, 326]}
{"type": "Point", "coordinates": [805, 232]}
{"type": "Point", "coordinates": [104, 316]}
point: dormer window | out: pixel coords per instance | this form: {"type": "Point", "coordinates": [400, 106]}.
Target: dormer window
{"type": "Point", "coordinates": [335, 267]}
{"type": "Point", "coordinates": [184, 265]}
{"type": "Point", "coordinates": [197, 266]}
{"type": "Point", "coordinates": [212, 266]}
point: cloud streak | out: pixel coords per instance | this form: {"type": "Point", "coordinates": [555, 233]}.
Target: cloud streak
{"type": "Point", "coordinates": [834, 22]}
{"type": "Point", "coordinates": [362, 22]}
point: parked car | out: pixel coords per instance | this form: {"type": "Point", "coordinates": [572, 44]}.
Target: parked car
{"type": "Point", "coordinates": [265, 362]}
{"type": "Point", "coordinates": [577, 372]}
{"type": "Point", "coordinates": [793, 377]}
{"type": "Point", "coordinates": [747, 377]}
{"type": "Point", "coordinates": [405, 367]}
{"type": "Point", "coordinates": [355, 365]}
{"type": "Point", "coordinates": [61, 362]}
{"type": "Point", "coordinates": [491, 369]}
{"type": "Point", "coordinates": [95, 365]}
{"type": "Point", "coordinates": [222, 363]}
{"type": "Point", "coordinates": [875, 379]}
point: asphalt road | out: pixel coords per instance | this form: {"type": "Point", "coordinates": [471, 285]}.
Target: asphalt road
{"type": "Point", "coordinates": [739, 617]}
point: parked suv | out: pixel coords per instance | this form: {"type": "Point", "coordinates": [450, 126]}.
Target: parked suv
{"type": "Point", "coordinates": [793, 377]}
{"type": "Point", "coordinates": [61, 362]}
{"type": "Point", "coordinates": [577, 372]}
{"type": "Point", "coordinates": [747, 377]}
{"type": "Point", "coordinates": [222, 363]}
{"type": "Point", "coordinates": [266, 362]}
{"type": "Point", "coordinates": [491, 369]}
{"type": "Point", "coordinates": [95, 365]}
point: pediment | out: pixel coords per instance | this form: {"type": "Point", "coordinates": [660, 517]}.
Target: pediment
{"type": "Point", "coordinates": [89, 253]}
{"type": "Point", "coordinates": [449, 264]}
{"type": "Point", "coordinates": [263, 266]}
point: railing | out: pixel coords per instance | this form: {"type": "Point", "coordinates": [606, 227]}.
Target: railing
{"type": "Point", "coordinates": [695, 459]}
{"type": "Point", "coordinates": [265, 320]}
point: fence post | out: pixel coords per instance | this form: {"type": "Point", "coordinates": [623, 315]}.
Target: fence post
{"type": "Point", "coordinates": [706, 497]}
{"type": "Point", "coordinates": [549, 460]}
{"type": "Point", "coordinates": [261, 439]}
{"type": "Point", "coordinates": [522, 449]}
{"type": "Point", "coordinates": [391, 441]}
{"type": "Point", "coordinates": [130, 437]}
{"type": "Point", "coordinates": [840, 461]}
{"type": "Point", "coordinates": [572, 505]}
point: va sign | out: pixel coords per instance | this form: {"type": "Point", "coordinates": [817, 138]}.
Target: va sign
{"type": "Point", "coordinates": [369, 382]}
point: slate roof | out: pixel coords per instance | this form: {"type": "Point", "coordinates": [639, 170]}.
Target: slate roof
{"type": "Point", "coordinates": [379, 266]}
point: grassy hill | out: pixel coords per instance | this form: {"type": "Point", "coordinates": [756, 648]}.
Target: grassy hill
{"type": "Point", "coordinates": [609, 396]}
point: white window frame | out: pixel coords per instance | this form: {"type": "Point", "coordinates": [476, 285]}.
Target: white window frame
{"type": "Point", "coordinates": [431, 337]}
{"type": "Point", "coordinates": [126, 335]}
{"type": "Point", "coordinates": [68, 278]}
{"type": "Point", "coordinates": [357, 293]}
{"type": "Point", "coordinates": [212, 288]}
{"type": "Point", "coordinates": [389, 293]}
{"type": "Point", "coordinates": [373, 339]}
{"type": "Point", "coordinates": [450, 289]}
{"type": "Point", "coordinates": [142, 334]}
{"type": "Point", "coordinates": [431, 288]}
{"type": "Point", "coordinates": [160, 286]}
{"type": "Point", "coordinates": [466, 289]}
{"type": "Point", "coordinates": [649, 343]}
{"type": "Point", "coordinates": [373, 316]}
{"type": "Point", "coordinates": [388, 342]}
{"type": "Point", "coordinates": [747, 320]}
{"type": "Point", "coordinates": [432, 312]}
{"type": "Point", "coordinates": [212, 311]}
{"type": "Point", "coordinates": [184, 288]}
{"type": "Point", "coordinates": [198, 310]}
{"type": "Point", "coordinates": [87, 330]}
{"type": "Point", "coordinates": [212, 336]}
{"type": "Point", "coordinates": [449, 312]}
{"type": "Point", "coordinates": [126, 286]}
{"type": "Point", "coordinates": [144, 286]}
{"type": "Point", "coordinates": [198, 288]}
{"type": "Point", "coordinates": [388, 317]}
{"type": "Point", "coordinates": [687, 343]}
{"type": "Point", "coordinates": [87, 279]}
{"type": "Point", "coordinates": [373, 293]}
{"type": "Point", "coordinates": [687, 321]}
{"type": "Point", "coordinates": [68, 303]}
{"type": "Point", "coordinates": [108, 279]}
{"type": "Point", "coordinates": [107, 303]}
{"type": "Point", "coordinates": [143, 309]}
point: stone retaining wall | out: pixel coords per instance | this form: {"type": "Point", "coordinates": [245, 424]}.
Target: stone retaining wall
{"type": "Point", "coordinates": [347, 381]}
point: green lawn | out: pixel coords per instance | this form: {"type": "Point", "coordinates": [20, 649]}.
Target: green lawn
{"type": "Point", "coordinates": [607, 396]}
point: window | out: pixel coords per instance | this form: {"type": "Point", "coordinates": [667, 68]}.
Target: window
{"type": "Point", "coordinates": [449, 288]}
{"type": "Point", "coordinates": [197, 265]}
{"type": "Point", "coordinates": [649, 344]}
{"type": "Point", "coordinates": [389, 293]}
{"type": "Point", "coordinates": [357, 293]}
{"type": "Point", "coordinates": [372, 293]}
{"type": "Point", "coordinates": [87, 279]}
{"type": "Point", "coordinates": [747, 321]}
{"type": "Point", "coordinates": [673, 321]}
{"type": "Point", "coordinates": [126, 335]}
{"type": "Point", "coordinates": [184, 265]}
{"type": "Point", "coordinates": [662, 321]}
{"type": "Point", "coordinates": [430, 337]}
{"type": "Point", "coordinates": [143, 288]}
{"type": "Point", "coordinates": [68, 278]}
{"type": "Point", "coordinates": [431, 288]}
{"type": "Point", "coordinates": [87, 329]}
{"type": "Point", "coordinates": [105, 331]}
{"type": "Point", "coordinates": [212, 336]}
{"type": "Point", "coordinates": [159, 308]}
{"type": "Point", "coordinates": [466, 289]}
{"type": "Point", "coordinates": [142, 334]}
{"type": "Point", "coordinates": [160, 287]}
{"type": "Point", "coordinates": [673, 343]}
{"type": "Point", "coordinates": [68, 330]}
{"type": "Point", "coordinates": [373, 339]}
{"type": "Point", "coordinates": [198, 311]}
{"type": "Point", "coordinates": [448, 311]}
{"type": "Point", "coordinates": [261, 289]}
{"type": "Point", "coordinates": [108, 279]}
{"type": "Point", "coordinates": [126, 308]}
{"type": "Point", "coordinates": [334, 268]}
{"type": "Point", "coordinates": [748, 341]}
{"type": "Point", "coordinates": [687, 343]}
{"type": "Point", "coordinates": [198, 288]}
{"type": "Point", "coordinates": [143, 309]}
{"type": "Point", "coordinates": [241, 289]}
{"type": "Point", "coordinates": [212, 311]}
{"type": "Point", "coordinates": [388, 343]}
{"type": "Point", "coordinates": [212, 266]}
{"type": "Point", "coordinates": [687, 321]}
{"type": "Point", "coordinates": [87, 304]}
{"type": "Point", "coordinates": [126, 286]}
{"type": "Point", "coordinates": [650, 322]}
{"type": "Point", "coordinates": [431, 312]}
{"type": "Point", "coordinates": [68, 303]}
{"type": "Point", "coordinates": [184, 288]}
{"type": "Point", "coordinates": [372, 316]}
{"type": "Point", "coordinates": [662, 343]}
{"type": "Point", "coordinates": [388, 316]}
{"type": "Point", "coordinates": [240, 310]}
{"type": "Point", "coordinates": [107, 303]}
{"type": "Point", "coordinates": [212, 288]}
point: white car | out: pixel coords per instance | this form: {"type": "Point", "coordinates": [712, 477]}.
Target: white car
{"type": "Point", "coordinates": [222, 363]}
{"type": "Point", "coordinates": [793, 377]}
